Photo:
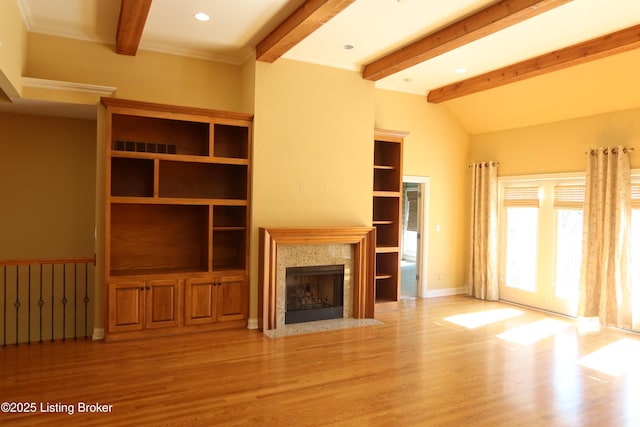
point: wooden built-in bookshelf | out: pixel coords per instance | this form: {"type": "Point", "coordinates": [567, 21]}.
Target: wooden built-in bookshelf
{"type": "Point", "coordinates": [177, 215]}
{"type": "Point", "coordinates": [387, 198]}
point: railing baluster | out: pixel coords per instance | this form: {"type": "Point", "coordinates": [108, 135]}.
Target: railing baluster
{"type": "Point", "coordinates": [86, 299]}
{"type": "Point", "coordinates": [40, 303]}
{"type": "Point", "coordinates": [17, 303]}
{"type": "Point", "coordinates": [29, 307]}
{"type": "Point", "coordinates": [52, 301]}
{"type": "Point", "coordinates": [64, 302]}
{"type": "Point", "coordinates": [4, 306]}
{"type": "Point", "coordinates": [75, 301]}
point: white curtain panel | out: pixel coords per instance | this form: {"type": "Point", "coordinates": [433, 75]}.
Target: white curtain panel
{"type": "Point", "coordinates": [605, 284]}
{"type": "Point", "coordinates": [482, 277]}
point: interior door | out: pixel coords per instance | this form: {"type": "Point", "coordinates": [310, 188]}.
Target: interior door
{"type": "Point", "coordinates": [415, 237]}
{"type": "Point", "coordinates": [410, 239]}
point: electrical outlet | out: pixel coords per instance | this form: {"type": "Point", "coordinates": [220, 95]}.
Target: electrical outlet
{"type": "Point", "coordinates": [440, 275]}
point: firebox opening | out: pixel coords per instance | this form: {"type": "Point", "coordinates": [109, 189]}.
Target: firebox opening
{"type": "Point", "coordinates": [314, 293]}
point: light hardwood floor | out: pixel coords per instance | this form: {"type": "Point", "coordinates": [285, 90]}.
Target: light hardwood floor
{"type": "Point", "coordinates": [417, 368]}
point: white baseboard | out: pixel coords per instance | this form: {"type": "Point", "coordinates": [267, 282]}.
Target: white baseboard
{"type": "Point", "coordinates": [98, 333]}
{"type": "Point", "coordinates": [252, 323]}
{"type": "Point", "coordinates": [446, 292]}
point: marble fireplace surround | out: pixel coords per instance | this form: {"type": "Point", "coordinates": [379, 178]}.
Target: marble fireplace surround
{"type": "Point", "coordinates": [362, 241]}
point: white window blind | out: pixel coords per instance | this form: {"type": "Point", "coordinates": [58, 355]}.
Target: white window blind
{"type": "Point", "coordinates": [527, 197]}
{"type": "Point", "coordinates": [569, 196]}
{"type": "Point", "coordinates": [635, 196]}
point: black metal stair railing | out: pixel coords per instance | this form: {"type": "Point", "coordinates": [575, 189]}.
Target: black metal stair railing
{"type": "Point", "coordinates": [46, 299]}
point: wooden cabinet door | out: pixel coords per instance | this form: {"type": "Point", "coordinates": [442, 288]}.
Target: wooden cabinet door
{"type": "Point", "coordinates": [232, 298]}
{"type": "Point", "coordinates": [200, 301]}
{"type": "Point", "coordinates": [162, 303]}
{"type": "Point", "coordinates": [126, 306]}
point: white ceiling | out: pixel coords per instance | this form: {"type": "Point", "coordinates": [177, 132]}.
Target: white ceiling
{"type": "Point", "coordinates": [373, 27]}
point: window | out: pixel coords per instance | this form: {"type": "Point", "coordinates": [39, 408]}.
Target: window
{"type": "Point", "coordinates": [540, 250]}
{"type": "Point", "coordinates": [541, 241]}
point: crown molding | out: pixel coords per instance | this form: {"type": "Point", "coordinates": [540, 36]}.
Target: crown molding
{"type": "Point", "coordinates": [27, 16]}
{"type": "Point", "coordinates": [71, 86]}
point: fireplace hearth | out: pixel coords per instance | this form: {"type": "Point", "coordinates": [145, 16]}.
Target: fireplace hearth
{"type": "Point", "coordinates": [314, 293]}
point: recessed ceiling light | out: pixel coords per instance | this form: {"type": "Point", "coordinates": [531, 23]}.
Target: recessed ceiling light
{"type": "Point", "coordinates": [407, 80]}
{"type": "Point", "coordinates": [201, 16]}
{"type": "Point", "coordinates": [461, 70]}
{"type": "Point", "coordinates": [348, 46]}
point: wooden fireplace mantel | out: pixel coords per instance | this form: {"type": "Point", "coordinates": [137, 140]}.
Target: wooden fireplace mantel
{"type": "Point", "coordinates": [363, 239]}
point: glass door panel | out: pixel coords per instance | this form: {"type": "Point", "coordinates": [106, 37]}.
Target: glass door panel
{"type": "Point", "coordinates": [634, 268]}
{"type": "Point", "coordinates": [563, 295]}
{"type": "Point", "coordinates": [522, 247]}
{"type": "Point", "coordinates": [520, 276]}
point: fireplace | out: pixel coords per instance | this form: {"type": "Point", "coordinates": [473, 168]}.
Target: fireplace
{"type": "Point", "coordinates": [353, 248]}
{"type": "Point", "coordinates": [314, 293]}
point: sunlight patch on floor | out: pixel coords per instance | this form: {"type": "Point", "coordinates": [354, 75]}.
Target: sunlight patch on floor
{"type": "Point", "coordinates": [588, 325]}
{"type": "Point", "coordinates": [534, 332]}
{"type": "Point", "coordinates": [615, 359]}
{"type": "Point", "coordinates": [482, 318]}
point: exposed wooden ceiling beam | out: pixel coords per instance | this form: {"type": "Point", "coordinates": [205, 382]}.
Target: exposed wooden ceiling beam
{"type": "Point", "coordinates": [133, 15]}
{"type": "Point", "coordinates": [489, 20]}
{"type": "Point", "coordinates": [600, 47]}
{"type": "Point", "coordinates": [310, 16]}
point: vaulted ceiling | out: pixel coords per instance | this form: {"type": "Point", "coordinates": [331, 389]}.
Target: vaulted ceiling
{"type": "Point", "coordinates": [493, 64]}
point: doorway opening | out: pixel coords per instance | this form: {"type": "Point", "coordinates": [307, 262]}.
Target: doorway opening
{"type": "Point", "coordinates": [413, 260]}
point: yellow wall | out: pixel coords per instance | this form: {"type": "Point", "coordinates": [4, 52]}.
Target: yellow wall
{"type": "Point", "coordinates": [557, 147]}
{"type": "Point", "coordinates": [313, 150]}
{"type": "Point", "coordinates": [591, 88]}
{"type": "Point", "coordinates": [248, 84]}
{"type": "Point", "coordinates": [13, 45]}
{"type": "Point", "coordinates": [436, 147]}
{"type": "Point", "coordinates": [148, 76]}
{"type": "Point", "coordinates": [47, 176]}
